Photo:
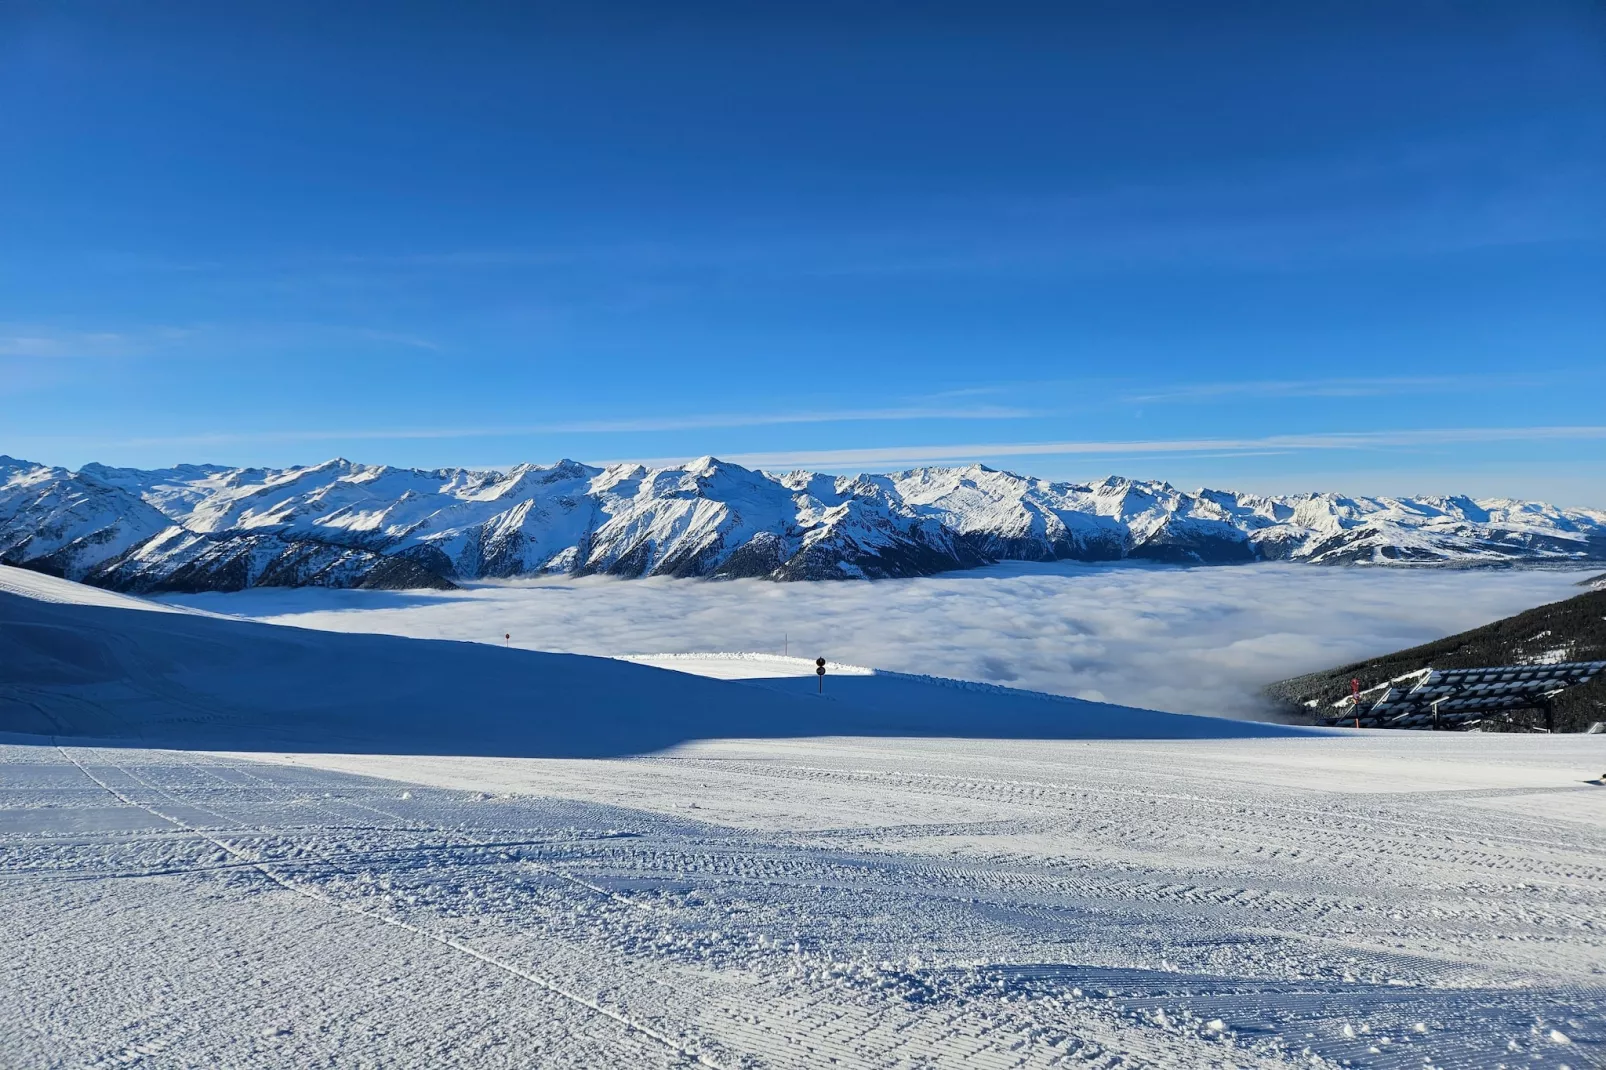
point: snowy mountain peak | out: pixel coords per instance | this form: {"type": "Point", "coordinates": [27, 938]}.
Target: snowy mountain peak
{"type": "Point", "coordinates": [341, 523]}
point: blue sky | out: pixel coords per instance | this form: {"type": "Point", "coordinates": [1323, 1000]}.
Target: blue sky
{"type": "Point", "coordinates": [1351, 246]}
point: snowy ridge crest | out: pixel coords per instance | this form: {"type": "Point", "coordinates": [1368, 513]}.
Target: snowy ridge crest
{"type": "Point", "coordinates": [343, 524]}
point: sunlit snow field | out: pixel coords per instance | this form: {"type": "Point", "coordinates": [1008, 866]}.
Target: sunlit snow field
{"type": "Point", "coordinates": [1187, 640]}
{"type": "Point", "coordinates": [229, 844]}
{"type": "Point", "coordinates": [1393, 901]}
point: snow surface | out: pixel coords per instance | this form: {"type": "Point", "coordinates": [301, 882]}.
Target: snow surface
{"type": "Point", "coordinates": [1188, 640]}
{"type": "Point", "coordinates": [748, 666]}
{"type": "Point", "coordinates": [1400, 902]}
{"type": "Point", "coordinates": [1215, 894]}
{"type": "Point", "coordinates": [36, 585]}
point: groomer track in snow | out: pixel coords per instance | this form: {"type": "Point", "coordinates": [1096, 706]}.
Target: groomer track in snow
{"type": "Point", "coordinates": [855, 903]}
{"type": "Point", "coordinates": [1183, 892]}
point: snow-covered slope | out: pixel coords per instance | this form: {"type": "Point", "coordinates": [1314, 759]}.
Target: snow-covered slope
{"type": "Point", "coordinates": [76, 662]}
{"type": "Point", "coordinates": [68, 523]}
{"type": "Point", "coordinates": [202, 527]}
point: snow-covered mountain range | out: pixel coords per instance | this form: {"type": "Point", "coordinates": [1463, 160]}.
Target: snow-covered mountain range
{"type": "Point", "coordinates": [205, 527]}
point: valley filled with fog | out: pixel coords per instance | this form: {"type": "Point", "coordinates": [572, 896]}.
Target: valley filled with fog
{"type": "Point", "coordinates": [1186, 640]}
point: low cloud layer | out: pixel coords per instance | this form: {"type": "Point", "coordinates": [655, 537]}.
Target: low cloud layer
{"type": "Point", "coordinates": [1188, 640]}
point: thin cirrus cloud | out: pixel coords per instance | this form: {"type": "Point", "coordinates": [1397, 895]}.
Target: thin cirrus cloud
{"type": "Point", "coordinates": [34, 342]}
{"type": "Point", "coordinates": [1334, 388]}
{"type": "Point", "coordinates": [37, 344]}
{"type": "Point", "coordinates": [644, 424]}
{"type": "Point", "coordinates": [947, 453]}
{"type": "Point", "coordinates": [1359, 440]}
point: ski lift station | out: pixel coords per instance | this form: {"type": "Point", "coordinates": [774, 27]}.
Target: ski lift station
{"type": "Point", "coordinates": [1457, 698]}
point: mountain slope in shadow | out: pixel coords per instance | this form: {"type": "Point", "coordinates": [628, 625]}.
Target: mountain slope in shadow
{"type": "Point", "coordinates": [115, 669]}
{"type": "Point", "coordinates": [1570, 630]}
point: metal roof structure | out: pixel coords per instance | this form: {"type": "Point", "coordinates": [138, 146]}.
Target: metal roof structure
{"type": "Point", "coordinates": [1430, 698]}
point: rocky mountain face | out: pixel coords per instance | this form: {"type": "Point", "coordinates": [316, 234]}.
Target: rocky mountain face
{"type": "Point", "coordinates": [204, 527]}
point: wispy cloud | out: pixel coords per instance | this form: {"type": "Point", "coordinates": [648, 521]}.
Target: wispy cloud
{"type": "Point", "coordinates": [1402, 199]}
{"type": "Point", "coordinates": [51, 344]}
{"type": "Point", "coordinates": [709, 421]}
{"type": "Point", "coordinates": [697, 423]}
{"type": "Point", "coordinates": [961, 392]}
{"type": "Point", "coordinates": [1334, 388]}
{"type": "Point", "coordinates": [1361, 440]}
{"type": "Point", "coordinates": [40, 342]}
{"type": "Point", "coordinates": [411, 341]}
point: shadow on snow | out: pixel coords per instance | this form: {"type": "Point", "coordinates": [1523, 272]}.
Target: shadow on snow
{"type": "Point", "coordinates": [186, 680]}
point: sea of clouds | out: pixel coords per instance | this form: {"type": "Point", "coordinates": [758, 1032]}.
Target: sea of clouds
{"type": "Point", "coordinates": [1188, 640]}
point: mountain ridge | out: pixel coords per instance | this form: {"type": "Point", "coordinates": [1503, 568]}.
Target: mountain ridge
{"type": "Point", "coordinates": [345, 524]}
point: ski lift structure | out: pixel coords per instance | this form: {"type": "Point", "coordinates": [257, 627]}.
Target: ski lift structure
{"type": "Point", "coordinates": [1454, 698]}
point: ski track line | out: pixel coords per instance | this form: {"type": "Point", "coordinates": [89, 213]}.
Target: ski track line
{"type": "Point", "coordinates": [995, 789]}
{"type": "Point", "coordinates": [1342, 831]}
{"type": "Point", "coordinates": [444, 941]}
{"type": "Point", "coordinates": [1307, 901]}
{"type": "Point", "coordinates": [414, 826]}
{"type": "Point", "coordinates": [816, 1036]}
{"type": "Point", "coordinates": [788, 1018]}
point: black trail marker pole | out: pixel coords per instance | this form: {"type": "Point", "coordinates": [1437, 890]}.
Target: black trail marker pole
{"type": "Point", "coordinates": [507, 638]}
{"type": "Point", "coordinates": [819, 670]}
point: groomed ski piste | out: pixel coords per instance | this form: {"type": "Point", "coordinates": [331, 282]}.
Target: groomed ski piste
{"type": "Point", "coordinates": [227, 843]}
